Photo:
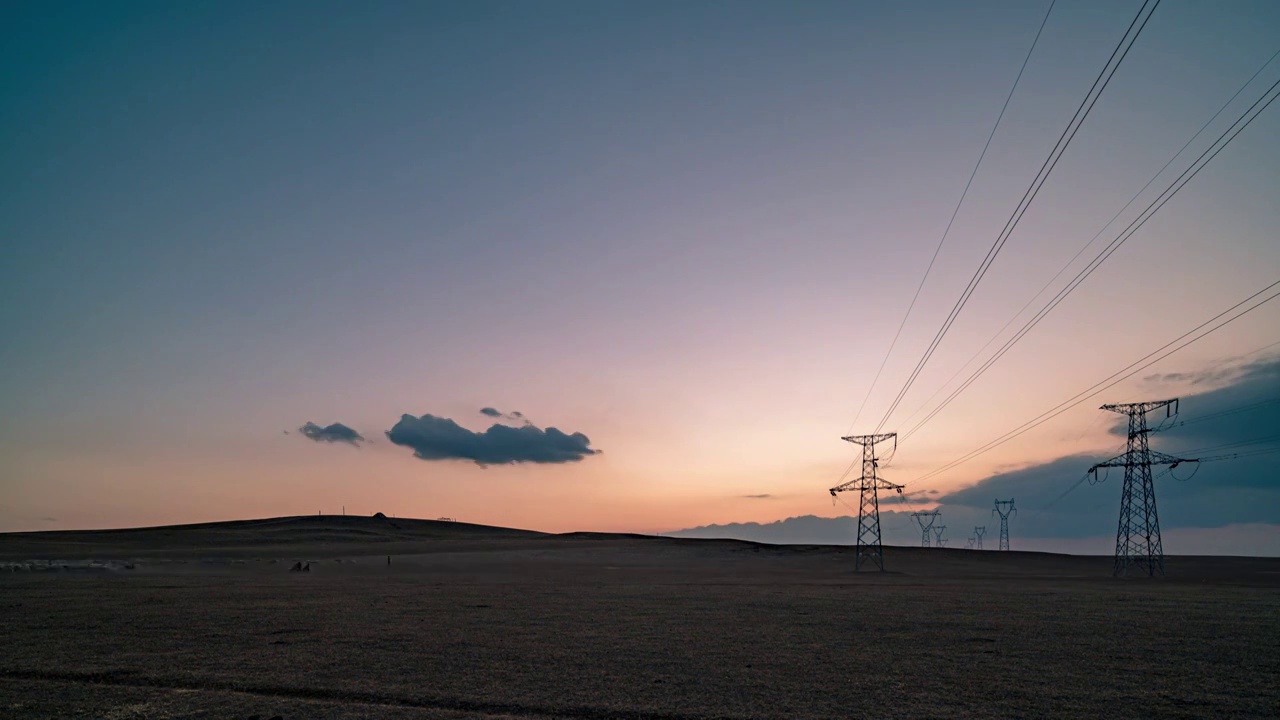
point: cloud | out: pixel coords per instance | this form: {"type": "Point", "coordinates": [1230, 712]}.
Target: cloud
{"type": "Point", "coordinates": [1224, 373]}
{"type": "Point", "coordinates": [1054, 502]}
{"type": "Point", "coordinates": [896, 529]}
{"type": "Point", "coordinates": [513, 416]}
{"type": "Point", "coordinates": [1201, 377]}
{"type": "Point", "coordinates": [334, 433]}
{"type": "Point", "coordinates": [1058, 510]}
{"type": "Point", "coordinates": [437, 438]}
{"type": "Point", "coordinates": [1256, 539]}
{"type": "Point", "coordinates": [761, 496]}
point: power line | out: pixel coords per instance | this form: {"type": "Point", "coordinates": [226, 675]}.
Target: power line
{"type": "Point", "coordinates": [1196, 419]}
{"type": "Point", "coordinates": [1095, 389]}
{"type": "Point", "coordinates": [1223, 413]}
{"type": "Point", "coordinates": [1236, 456]}
{"type": "Point", "coordinates": [1212, 458]}
{"type": "Point", "coordinates": [1092, 240]}
{"type": "Point", "coordinates": [1230, 445]}
{"type": "Point", "coordinates": [1112, 380]}
{"type": "Point", "coordinates": [1068, 134]}
{"type": "Point", "coordinates": [952, 221]}
{"type": "Point", "coordinates": [1180, 182]}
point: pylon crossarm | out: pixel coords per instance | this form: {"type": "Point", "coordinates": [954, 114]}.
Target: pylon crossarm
{"type": "Point", "coordinates": [885, 485]}
{"type": "Point", "coordinates": [1159, 458]}
{"type": "Point", "coordinates": [844, 487]}
{"type": "Point", "coordinates": [1144, 407]}
{"type": "Point", "coordinates": [872, 439]}
{"type": "Point", "coordinates": [1117, 461]}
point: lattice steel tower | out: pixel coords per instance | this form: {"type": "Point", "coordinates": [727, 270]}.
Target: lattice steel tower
{"type": "Point", "coordinates": [868, 486]}
{"type": "Point", "coordinates": [978, 532]}
{"type": "Point", "coordinates": [937, 531]}
{"type": "Point", "coordinates": [1005, 508]}
{"type": "Point", "coordinates": [1138, 534]}
{"type": "Point", "coordinates": [920, 516]}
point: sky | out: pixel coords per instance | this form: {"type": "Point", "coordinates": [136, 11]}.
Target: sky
{"type": "Point", "coordinates": [285, 258]}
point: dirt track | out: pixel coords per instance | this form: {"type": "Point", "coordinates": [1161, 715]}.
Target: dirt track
{"type": "Point", "coordinates": [474, 622]}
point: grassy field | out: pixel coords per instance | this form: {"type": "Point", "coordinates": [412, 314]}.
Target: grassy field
{"type": "Point", "coordinates": [475, 622]}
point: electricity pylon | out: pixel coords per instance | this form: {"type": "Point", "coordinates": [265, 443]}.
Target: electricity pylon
{"type": "Point", "coordinates": [868, 486]}
{"type": "Point", "coordinates": [972, 540]}
{"type": "Point", "coordinates": [938, 530]}
{"type": "Point", "coordinates": [978, 532]}
{"type": "Point", "coordinates": [924, 526]}
{"type": "Point", "coordinates": [1138, 534]}
{"type": "Point", "coordinates": [1005, 508]}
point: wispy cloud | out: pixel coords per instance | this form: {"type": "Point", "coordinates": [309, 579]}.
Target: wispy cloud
{"type": "Point", "coordinates": [513, 416]}
{"type": "Point", "coordinates": [335, 433]}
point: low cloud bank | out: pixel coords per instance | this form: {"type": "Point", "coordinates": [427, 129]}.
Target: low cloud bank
{"type": "Point", "coordinates": [1225, 506]}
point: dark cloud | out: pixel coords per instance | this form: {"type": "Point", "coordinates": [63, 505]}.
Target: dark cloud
{"type": "Point", "coordinates": [1057, 505]}
{"type": "Point", "coordinates": [761, 496]}
{"type": "Point", "coordinates": [1201, 377]}
{"type": "Point", "coordinates": [437, 438]}
{"type": "Point", "coordinates": [1053, 502]}
{"type": "Point", "coordinates": [514, 416]}
{"type": "Point", "coordinates": [334, 433]}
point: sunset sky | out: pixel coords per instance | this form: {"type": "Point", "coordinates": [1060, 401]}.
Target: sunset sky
{"type": "Point", "coordinates": [685, 230]}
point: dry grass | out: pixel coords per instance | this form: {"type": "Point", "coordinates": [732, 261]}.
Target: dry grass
{"type": "Point", "coordinates": [524, 625]}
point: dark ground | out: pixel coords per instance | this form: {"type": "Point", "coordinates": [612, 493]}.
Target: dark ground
{"type": "Point", "coordinates": [474, 622]}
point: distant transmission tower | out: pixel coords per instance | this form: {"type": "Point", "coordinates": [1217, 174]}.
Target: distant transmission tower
{"type": "Point", "coordinates": [978, 532]}
{"type": "Point", "coordinates": [924, 526]}
{"type": "Point", "coordinates": [1138, 535]}
{"type": "Point", "coordinates": [938, 530]}
{"type": "Point", "coordinates": [1005, 508]}
{"type": "Point", "coordinates": [972, 540]}
{"type": "Point", "coordinates": [868, 486]}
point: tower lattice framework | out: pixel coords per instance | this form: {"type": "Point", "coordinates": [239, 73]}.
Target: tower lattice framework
{"type": "Point", "coordinates": [1138, 533]}
{"type": "Point", "coordinates": [1004, 508]}
{"type": "Point", "coordinates": [978, 532]}
{"type": "Point", "coordinates": [868, 486]}
{"type": "Point", "coordinates": [920, 517]}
